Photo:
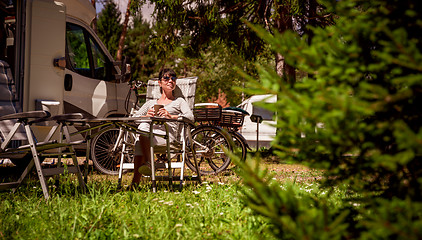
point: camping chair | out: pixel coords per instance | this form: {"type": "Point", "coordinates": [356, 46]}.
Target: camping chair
{"type": "Point", "coordinates": [9, 102]}
{"type": "Point", "coordinates": [38, 150]}
{"type": "Point", "coordinates": [185, 87]}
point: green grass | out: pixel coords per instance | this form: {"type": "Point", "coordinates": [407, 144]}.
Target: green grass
{"type": "Point", "coordinates": [211, 210]}
{"type": "Point", "coordinates": [206, 211]}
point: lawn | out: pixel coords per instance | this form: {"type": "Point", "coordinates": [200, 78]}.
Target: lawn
{"type": "Point", "coordinates": [211, 210]}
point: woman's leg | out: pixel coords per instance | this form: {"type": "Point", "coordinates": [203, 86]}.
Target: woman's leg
{"type": "Point", "coordinates": [142, 159]}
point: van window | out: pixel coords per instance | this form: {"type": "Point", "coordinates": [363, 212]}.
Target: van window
{"type": "Point", "coordinates": [99, 60]}
{"type": "Point", "coordinates": [264, 113]}
{"type": "Point", "coordinates": [84, 54]}
{"type": "Point", "coordinates": [77, 50]}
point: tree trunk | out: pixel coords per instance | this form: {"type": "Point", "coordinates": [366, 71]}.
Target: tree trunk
{"type": "Point", "coordinates": [124, 31]}
{"type": "Point", "coordinates": [94, 22]}
{"type": "Point", "coordinates": [312, 15]}
{"type": "Point", "coordinates": [283, 22]}
{"type": "Point", "coordinates": [284, 70]}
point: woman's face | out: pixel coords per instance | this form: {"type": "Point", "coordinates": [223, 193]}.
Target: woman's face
{"type": "Point", "coordinates": [168, 82]}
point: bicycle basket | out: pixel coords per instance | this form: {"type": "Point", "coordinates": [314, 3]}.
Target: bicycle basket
{"type": "Point", "coordinates": [207, 113]}
{"type": "Point", "coordinates": [231, 119]}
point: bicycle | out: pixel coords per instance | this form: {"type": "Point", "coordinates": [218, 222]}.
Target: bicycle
{"type": "Point", "coordinates": [209, 145]}
{"type": "Point", "coordinates": [107, 145]}
{"type": "Point", "coordinates": [211, 135]}
{"type": "Point", "coordinates": [213, 121]}
{"type": "Point", "coordinates": [232, 119]}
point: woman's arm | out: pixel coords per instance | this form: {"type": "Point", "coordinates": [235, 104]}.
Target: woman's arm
{"type": "Point", "coordinates": [145, 109]}
{"type": "Point", "coordinates": [185, 110]}
{"type": "Point", "coordinates": [174, 111]}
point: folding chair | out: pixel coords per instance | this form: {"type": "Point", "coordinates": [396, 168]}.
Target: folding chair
{"type": "Point", "coordinates": [40, 149]}
{"type": "Point", "coordinates": [185, 87]}
{"type": "Point", "coordinates": [8, 101]}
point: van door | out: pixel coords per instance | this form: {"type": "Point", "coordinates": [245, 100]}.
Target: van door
{"type": "Point", "coordinates": [267, 129]}
{"type": "Point", "coordinates": [45, 42]}
{"type": "Point", "coordinates": [89, 82]}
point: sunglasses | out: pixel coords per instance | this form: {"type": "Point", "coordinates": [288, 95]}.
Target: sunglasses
{"type": "Point", "coordinates": [166, 78]}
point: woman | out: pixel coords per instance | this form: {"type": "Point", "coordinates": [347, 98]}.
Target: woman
{"type": "Point", "coordinates": [173, 109]}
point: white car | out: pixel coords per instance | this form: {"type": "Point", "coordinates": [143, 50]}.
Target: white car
{"type": "Point", "coordinates": [258, 134]}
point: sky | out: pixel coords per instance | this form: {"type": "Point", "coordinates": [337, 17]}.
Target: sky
{"type": "Point", "coordinates": [147, 9]}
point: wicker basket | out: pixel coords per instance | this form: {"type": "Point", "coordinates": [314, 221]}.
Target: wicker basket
{"type": "Point", "coordinates": [231, 119]}
{"type": "Point", "coordinates": [207, 114]}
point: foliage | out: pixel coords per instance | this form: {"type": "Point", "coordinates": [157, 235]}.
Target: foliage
{"type": "Point", "coordinates": [359, 115]}
{"type": "Point", "coordinates": [216, 72]}
{"type": "Point", "coordinates": [150, 48]}
{"type": "Point", "coordinates": [109, 27]}
{"type": "Point", "coordinates": [76, 44]}
{"type": "Point", "coordinates": [199, 38]}
{"type": "Point", "coordinates": [203, 38]}
{"type": "Point", "coordinates": [207, 211]}
{"type": "Point", "coordinates": [141, 58]}
{"type": "Point", "coordinates": [295, 214]}
{"type": "Point", "coordinates": [201, 23]}
{"type": "Point", "coordinates": [206, 21]}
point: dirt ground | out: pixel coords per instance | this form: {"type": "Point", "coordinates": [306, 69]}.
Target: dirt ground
{"type": "Point", "coordinates": [280, 171]}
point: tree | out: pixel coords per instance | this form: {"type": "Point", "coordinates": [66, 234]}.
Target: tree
{"type": "Point", "coordinates": [109, 27]}
{"type": "Point", "coordinates": [94, 22]}
{"type": "Point", "coordinates": [205, 21]}
{"type": "Point", "coordinates": [185, 40]}
{"type": "Point", "coordinates": [195, 27]}
{"type": "Point", "coordinates": [141, 58]}
{"type": "Point", "coordinates": [217, 74]}
{"type": "Point", "coordinates": [123, 32]}
{"type": "Point", "coordinates": [359, 110]}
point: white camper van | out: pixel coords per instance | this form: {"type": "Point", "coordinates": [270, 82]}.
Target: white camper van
{"type": "Point", "coordinates": [262, 133]}
{"type": "Point", "coordinates": [56, 61]}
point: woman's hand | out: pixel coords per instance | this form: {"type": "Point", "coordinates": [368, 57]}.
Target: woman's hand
{"type": "Point", "coordinates": [150, 112]}
{"type": "Point", "coordinates": [164, 113]}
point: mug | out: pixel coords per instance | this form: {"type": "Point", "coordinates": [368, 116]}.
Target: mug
{"type": "Point", "coordinates": [157, 107]}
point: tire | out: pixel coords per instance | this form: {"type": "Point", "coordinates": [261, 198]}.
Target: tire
{"type": "Point", "coordinates": [103, 157]}
{"type": "Point", "coordinates": [241, 144]}
{"type": "Point", "coordinates": [209, 142]}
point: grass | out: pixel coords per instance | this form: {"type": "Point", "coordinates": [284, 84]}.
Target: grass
{"type": "Point", "coordinates": [211, 210]}
{"type": "Point", "coordinates": [206, 211]}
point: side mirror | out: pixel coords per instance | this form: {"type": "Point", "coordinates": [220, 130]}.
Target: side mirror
{"type": "Point", "coordinates": [256, 118]}
{"type": "Point", "coordinates": [125, 74]}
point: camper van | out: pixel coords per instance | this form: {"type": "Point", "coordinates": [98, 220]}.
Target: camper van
{"type": "Point", "coordinates": [52, 60]}
{"type": "Point", "coordinates": [259, 127]}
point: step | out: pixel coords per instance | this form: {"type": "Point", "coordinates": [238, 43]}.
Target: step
{"type": "Point", "coordinates": [173, 165]}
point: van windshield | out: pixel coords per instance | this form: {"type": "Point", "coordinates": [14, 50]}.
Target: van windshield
{"type": "Point", "coordinates": [84, 54]}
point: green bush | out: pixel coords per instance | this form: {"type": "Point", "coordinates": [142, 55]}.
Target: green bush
{"type": "Point", "coordinates": [359, 110]}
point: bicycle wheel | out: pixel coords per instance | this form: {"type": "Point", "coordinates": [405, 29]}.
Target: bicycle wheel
{"type": "Point", "coordinates": [209, 142]}
{"type": "Point", "coordinates": [105, 159]}
{"type": "Point", "coordinates": [240, 142]}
